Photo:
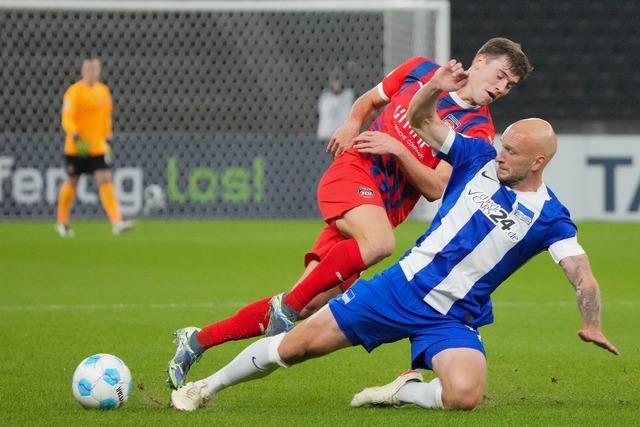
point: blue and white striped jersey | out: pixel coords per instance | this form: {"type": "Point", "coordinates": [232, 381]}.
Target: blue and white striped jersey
{"type": "Point", "coordinates": [483, 232]}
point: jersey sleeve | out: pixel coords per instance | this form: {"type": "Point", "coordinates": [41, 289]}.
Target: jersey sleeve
{"type": "Point", "coordinates": [108, 112]}
{"type": "Point", "coordinates": [565, 248]}
{"type": "Point", "coordinates": [459, 149]}
{"type": "Point", "coordinates": [563, 239]}
{"type": "Point", "coordinates": [69, 111]}
{"type": "Point", "coordinates": [396, 78]}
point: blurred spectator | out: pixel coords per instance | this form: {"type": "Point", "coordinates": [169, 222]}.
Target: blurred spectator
{"type": "Point", "coordinates": [334, 105]}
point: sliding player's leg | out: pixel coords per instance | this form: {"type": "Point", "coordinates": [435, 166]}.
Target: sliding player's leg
{"type": "Point", "coordinates": [315, 337]}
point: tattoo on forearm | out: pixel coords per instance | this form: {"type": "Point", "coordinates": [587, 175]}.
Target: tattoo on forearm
{"type": "Point", "coordinates": [589, 303]}
{"type": "Point", "coordinates": [588, 296]}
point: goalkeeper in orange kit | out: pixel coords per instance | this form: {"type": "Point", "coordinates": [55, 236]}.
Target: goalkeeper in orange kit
{"type": "Point", "coordinates": [86, 120]}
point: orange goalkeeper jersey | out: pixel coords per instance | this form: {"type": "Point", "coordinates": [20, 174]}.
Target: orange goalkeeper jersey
{"type": "Point", "coordinates": [86, 112]}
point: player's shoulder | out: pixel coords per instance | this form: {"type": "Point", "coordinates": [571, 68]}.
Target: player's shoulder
{"type": "Point", "coordinates": [554, 208]}
{"type": "Point", "coordinates": [74, 87]}
{"type": "Point", "coordinates": [421, 59]}
{"type": "Point", "coordinates": [103, 87]}
{"type": "Point", "coordinates": [424, 63]}
{"type": "Point", "coordinates": [417, 65]}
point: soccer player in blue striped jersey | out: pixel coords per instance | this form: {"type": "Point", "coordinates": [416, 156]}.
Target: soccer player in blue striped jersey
{"type": "Point", "coordinates": [496, 214]}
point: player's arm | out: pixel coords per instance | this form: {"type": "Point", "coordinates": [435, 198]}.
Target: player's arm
{"type": "Point", "coordinates": [69, 108]}
{"type": "Point", "coordinates": [429, 182]}
{"type": "Point", "coordinates": [361, 111]}
{"type": "Point", "coordinates": [108, 113]}
{"type": "Point", "coordinates": [422, 113]}
{"type": "Point", "coordinates": [578, 271]}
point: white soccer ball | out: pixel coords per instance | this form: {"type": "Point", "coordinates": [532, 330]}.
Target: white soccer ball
{"type": "Point", "coordinates": [102, 381]}
{"type": "Point", "coordinates": [154, 199]}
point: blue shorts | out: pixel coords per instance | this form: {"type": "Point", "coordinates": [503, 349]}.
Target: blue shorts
{"type": "Point", "coordinates": [385, 309]}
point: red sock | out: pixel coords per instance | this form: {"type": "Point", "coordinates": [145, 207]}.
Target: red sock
{"type": "Point", "coordinates": [249, 321]}
{"type": "Point", "coordinates": [341, 262]}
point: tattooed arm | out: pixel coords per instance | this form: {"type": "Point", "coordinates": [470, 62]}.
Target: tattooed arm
{"type": "Point", "coordinates": [578, 271]}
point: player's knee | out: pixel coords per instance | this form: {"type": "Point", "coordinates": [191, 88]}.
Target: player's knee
{"type": "Point", "coordinates": [293, 351]}
{"type": "Point", "coordinates": [462, 394]}
{"type": "Point", "coordinates": [102, 176]}
{"type": "Point", "coordinates": [381, 245]}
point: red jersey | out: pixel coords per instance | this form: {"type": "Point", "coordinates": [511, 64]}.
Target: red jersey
{"type": "Point", "coordinates": [398, 87]}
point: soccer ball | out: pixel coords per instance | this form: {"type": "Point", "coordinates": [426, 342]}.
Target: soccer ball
{"type": "Point", "coordinates": [102, 381]}
{"type": "Point", "coordinates": [154, 199]}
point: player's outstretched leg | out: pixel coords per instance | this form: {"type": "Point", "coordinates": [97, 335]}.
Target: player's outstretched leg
{"type": "Point", "coordinates": [256, 361]}
{"type": "Point", "coordinates": [188, 352]}
{"type": "Point", "coordinates": [250, 321]}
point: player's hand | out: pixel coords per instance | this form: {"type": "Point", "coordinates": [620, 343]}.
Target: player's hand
{"type": "Point", "coordinates": [342, 138]}
{"type": "Point", "coordinates": [374, 142]}
{"type": "Point", "coordinates": [594, 334]}
{"type": "Point", "coordinates": [450, 77]}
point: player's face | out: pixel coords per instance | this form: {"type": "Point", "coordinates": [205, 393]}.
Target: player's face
{"type": "Point", "coordinates": [514, 161]}
{"type": "Point", "coordinates": [91, 70]}
{"type": "Point", "coordinates": [97, 69]}
{"type": "Point", "coordinates": [490, 78]}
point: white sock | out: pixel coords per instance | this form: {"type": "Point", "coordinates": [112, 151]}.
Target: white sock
{"type": "Point", "coordinates": [256, 361]}
{"type": "Point", "coordinates": [425, 395]}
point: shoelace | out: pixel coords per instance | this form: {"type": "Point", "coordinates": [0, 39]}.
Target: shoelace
{"type": "Point", "coordinates": [196, 393]}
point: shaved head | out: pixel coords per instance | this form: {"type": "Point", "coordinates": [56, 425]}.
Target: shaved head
{"type": "Point", "coordinates": [539, 135]}
{"type": "Point", "coordinates": [528, 146]}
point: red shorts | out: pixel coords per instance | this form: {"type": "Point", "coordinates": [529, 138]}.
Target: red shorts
{"type": "Point", "coordinates": [347, 184]}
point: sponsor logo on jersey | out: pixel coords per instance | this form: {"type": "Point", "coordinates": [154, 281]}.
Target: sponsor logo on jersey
{"type": "Point", "coordinates": [492, 210]}
{"type": "Point", "coordinates": [523, 214]}
{"type": "Point", "coordinates": [451, 121]}
{"type": "Point", "coordinates": [403, 126]}
{"type": "Point", "coordinates": [365, 192]}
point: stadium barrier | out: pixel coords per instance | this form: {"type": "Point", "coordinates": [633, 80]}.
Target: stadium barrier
{"type": "Point", "coordinates": [246, 176]}
{"type": "Point", "coordinates": [197, 176]}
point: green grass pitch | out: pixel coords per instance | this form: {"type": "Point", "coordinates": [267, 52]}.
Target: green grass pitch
{"type": "Point", "coordinates": [63, 300]}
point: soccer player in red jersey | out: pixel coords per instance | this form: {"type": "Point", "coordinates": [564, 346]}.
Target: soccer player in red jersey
{"type": "Point", "coordinates": [374, 182]}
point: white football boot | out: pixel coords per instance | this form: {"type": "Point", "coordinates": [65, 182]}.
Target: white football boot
{"type": "Point", "coordinates": [190, 396]}
{"type": "Point", "coordinates": [385, 395]}
{"type": "Point", "coordinates": [122, 226]}
{"type": "Point", "coordinates": [64, 230]}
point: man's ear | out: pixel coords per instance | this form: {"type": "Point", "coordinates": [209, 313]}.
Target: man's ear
{"type": "Point", "coordinates": [479, 60]}
{"type": "Point", "coordinates": [538, 163]}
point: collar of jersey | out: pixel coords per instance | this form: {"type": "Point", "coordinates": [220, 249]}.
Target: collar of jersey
{"type": "Point", "coordinates": [537, 197]}
{"type": "Point", "coordinates": [456, 98]}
